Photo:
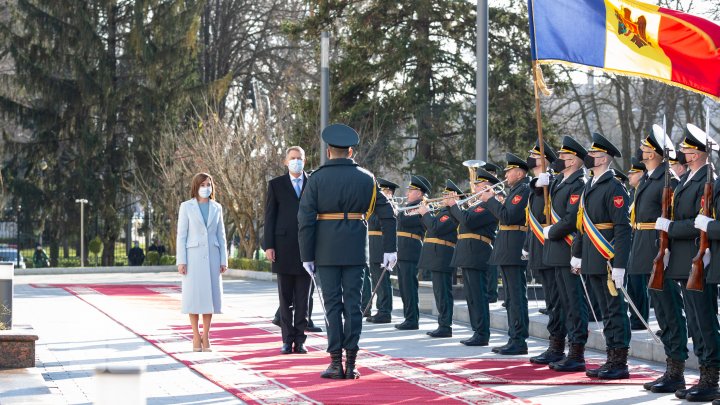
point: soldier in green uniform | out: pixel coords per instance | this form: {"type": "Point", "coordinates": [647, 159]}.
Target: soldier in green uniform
{"type": "Point", "coordinates": [700, 306]}
{"type": "Point", "coordinates": [507, 253]}
{"type": "Point", "coordinates": [533, 250]}
{"type": "Point", "coordinates": [384, 290]}
{"type": "Point", "coordinates": [565, 190]}
{"type": "Point", "coordinates": [491, 275]}
{"type": "Point", "coordinates": [605, 217]}
{"type": "Point", "coordinates": [646, 209]}
{"type": "Point", "coordinates": [410, 241]}
{"type": "Point", "coordinates": [637, 282]}
{"type": "Point", "coordinates": [338, 198]}
{"type": "Point", "coordinates": [475, 239]}
{"type": "Point", "coordinates": [437, 252]}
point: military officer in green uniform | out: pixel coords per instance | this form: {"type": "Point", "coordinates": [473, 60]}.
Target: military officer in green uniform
{"type": "Point", "coordinates": [507, 253]}
{"type": "Point", "coordinates": [337, 200]}
{"type": "Point", "coordinates": [475, 239]}
{"type": "Point", "coordinates": [533, 250]}
{"type": "Point", "coordinates": [375, 234]}
{"type": "Point", "coordinates": [565, 190]}
{"type": "Point", "coordinates": [491, 275]}
{"type": "Point", "coordinates": [637, 282]}
{"type": "Point", "coordinates": [437, 252]}
{"type": "Point", "coordinates": [700, 306]}
{"type": "Point", "coordinates": [410, 241]}
{"type": "Point", "coordinates": [605, 217]}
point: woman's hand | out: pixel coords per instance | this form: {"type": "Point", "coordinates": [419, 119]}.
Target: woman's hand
{"type": "Point", "coordinates": [182, 269]}
{"type": "Point", "coordinates": [223, 268]}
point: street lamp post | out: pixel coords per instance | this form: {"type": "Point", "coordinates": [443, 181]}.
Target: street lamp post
{"type": "Point", "coordinates": [17, 234]}
{"type": "Point", "coordinates": [82, 203]}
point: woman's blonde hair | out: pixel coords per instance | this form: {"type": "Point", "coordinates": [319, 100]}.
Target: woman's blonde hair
{"type": "Point", "coordinates": [197, 180]}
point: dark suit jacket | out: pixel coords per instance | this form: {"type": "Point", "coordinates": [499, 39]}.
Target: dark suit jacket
{"type": "Point", "coordinates": [281, 225]}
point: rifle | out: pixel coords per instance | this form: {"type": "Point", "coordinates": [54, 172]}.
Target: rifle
{"type": "Point", "coordinates": [657, 279]}
{"type": "Point", "coordinates": [697, 272]}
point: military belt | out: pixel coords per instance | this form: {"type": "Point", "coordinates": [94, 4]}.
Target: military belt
{"type": "Point", "coordinates": [513, 228]}
{"type": "Point", "coordinates": [375, 233]}
{"type": "Point", "coordinates": [475, 236]}
{"type": "Point", "coordinates": [607, 225]}
{"type": "Point", "coordinates": [336, 216]}
{"type": "Point", "coordinates": [644, 226]}
{"type": "Point", "coordinates": [439, 242]}
{"type": "Point", "coordinates": [409, 235]}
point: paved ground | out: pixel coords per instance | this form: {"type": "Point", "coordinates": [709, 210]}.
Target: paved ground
{"type": "Point", "coordinates": [75, 339]}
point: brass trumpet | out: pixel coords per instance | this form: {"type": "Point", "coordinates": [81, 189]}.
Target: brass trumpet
{"type": "Point", "coordinates": [474, 199]}
{"type": "Point", "coordinates": [472, 166]}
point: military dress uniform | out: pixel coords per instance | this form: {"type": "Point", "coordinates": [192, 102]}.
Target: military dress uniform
{"type": "Point", "coordinates": [491, 275]}
{"type": "Point", "coordinates": [437, 252]}
{"type": "Point", "coordinates": [507, 255]}
{"type": "Point", "coordinates": [565, 192]}
{"type": "Point", "coordinates": [476, 235]}
{"type": "Point", "coordinates": [637, 281]}
{"type": "Point", "coordinates": [604, 204]}
{"type": "Point", "coordinates": [410, 241]}
{"type": "Point", "coordinates": [384, 290]}
{"type": "Point", "coordinates": [338, 197]}
{"type": "Point", "coordinates": [533, 247]}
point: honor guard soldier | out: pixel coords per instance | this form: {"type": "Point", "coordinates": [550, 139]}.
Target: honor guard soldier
{"type": "Point", "coordinates": [646, 209]}
{"type": "Point", "coordinates": [472, 253]}
{"type": "Point", "coordinates": [507, 253]}
{"type": "Point", "coordinates": [637, 282]}
{"type": "Point", "coordinates": [684, 231]}
{"type": "Point", "coordinates": [622, 178]}
{"type": "Point", "coordinates": [437, 252]}
{"type": "Point", "coordinates": [678, 167]}
{"type": "Point", "coordinates": [604, 216]}
{"type": "Point", "coordinates": [410, 241]}
{"type": "Point", "coordinates": [491, 279]}
{"type": "Point", "coordinates": [375, 234]}
{"type": "Point", "coordinates": [565, 190]}
{"type": "Point", "coordinates": [533, 250]}
{"type": "Point", "coordinates": [337, 200]}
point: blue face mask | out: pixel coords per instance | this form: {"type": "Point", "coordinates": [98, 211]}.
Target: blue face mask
{"type": "Point", "coordinates": [296, 166]}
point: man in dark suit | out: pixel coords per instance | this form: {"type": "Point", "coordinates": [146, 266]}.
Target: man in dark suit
{"type": "Point", "coordinates": [282, 249]}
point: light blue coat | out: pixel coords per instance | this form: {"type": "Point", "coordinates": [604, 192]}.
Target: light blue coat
{"type": "Point", "coordinates": [203, 249]}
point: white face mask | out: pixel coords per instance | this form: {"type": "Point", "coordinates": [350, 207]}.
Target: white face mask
{"type": "Point", "coordinates": [296, 166]}
{"type": "Point", "coordinates": [205, 192]}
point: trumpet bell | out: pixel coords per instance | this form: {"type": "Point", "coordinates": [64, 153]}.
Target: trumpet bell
{"type": "Point", "coordinates": [475, 163]}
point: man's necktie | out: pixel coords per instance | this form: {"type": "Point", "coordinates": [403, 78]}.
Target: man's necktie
{"type": "Point", "coordinates": [296, 182]}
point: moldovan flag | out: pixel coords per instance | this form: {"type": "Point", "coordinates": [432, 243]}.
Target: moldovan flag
{"type": "Point", "coordinates": [628, 37]}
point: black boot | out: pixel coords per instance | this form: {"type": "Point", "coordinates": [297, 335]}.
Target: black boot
{"type": "Point", "coordinates": [335, 369]}
{"type": "Point", "coordinates": [555, 352]}
{"type": "Point", "coordinates": [707, 388]}
{"type": "Point", "coordinates": [593, 372]}
{"type": "Point", "coordinates": [575, 360]}
{"type": "Point", "coordinates": [671, 381]}
{"type": "Point", "coordinates": [683, 392]}
{"type": "Point", "coordinates": [618, 367]}
{"type": "Point", "coordinates": [350, 372]}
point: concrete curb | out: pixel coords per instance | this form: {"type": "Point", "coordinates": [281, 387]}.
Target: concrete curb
{"type": "Point", "coordinates": [250, 274]}
{"type": "Point", "coordinates": [92, 270]}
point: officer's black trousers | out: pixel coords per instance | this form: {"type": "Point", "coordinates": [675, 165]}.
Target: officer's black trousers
{"type": "Point", "coordinates": [478, 307]}
{"type": "Point", "coordinates": [442, 289]}
{"type": "Point", "coordinates": [341, 291]}
{"type": "Point", "coordinates": [294, 293]}
{"type": "Point", "coordinates": [638, 291]}
{"type": "Point", "coordinates": [491, 283]}
{"type": "Point", "coordinates": [383, 303]}
{"type": "Point", "coordinates": [613, 310]}
{"type": "Point", "coordinates": [701, 308]}
{"type": "Point", "coordinates": [408, 282]}
{"type": "Point", "coordinates": [668, 304]}
{"type": "Point", "coordinates": [515, 285]}
{"type": "Point", "coordinates": [575, 305]}
{"type": "Point", "coordinates": [556, 315]}
{"type": "Point", "coordinates": [367, 289]}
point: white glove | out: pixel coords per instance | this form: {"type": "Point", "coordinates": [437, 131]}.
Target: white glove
{"type": "Point", "coordinates": [389, 260]}
{"type": "Point", "coordinates": [662, 224]}
{"type": "Point", "coordinates": [309, 267]}
{"type": "Point", "coordinates": [706, 258]}
{"type": "Point", "coordinates": [543, 179]}
{"type": "Point", "coordinates": [575, 262]}
{"type": "Point", "coordinates": [702, 221]}
{"type": "Point", "coordinates": [618, 276]}
{"type": "Point", "coordinates": [524, 255]}
{"type": "Point", "coordinates": [546, 232]}
{"type": "Point", "coordinates": [666, 258]}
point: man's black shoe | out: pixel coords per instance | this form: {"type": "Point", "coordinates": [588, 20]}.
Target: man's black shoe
{"type": "Point", "coordinates": [441, 333]}
{"type": "Point", "coordinates": [475, 340]}
{"type": "Point", "coordinates": [543, 311]}
{"type": "Point", "coordinates": [276, 321]}
{"type": "Point", "coordinates": [492, 300]}
{"type": "Point", "coordinates": [407, 326]}
{"type": "Point", "coordinates": [638, 327]}
{"type": "Point", "coordinates": [312, 328]}
{"type": "Point", "coordinates": [335, 369]}
{"type": "Point", "coordinates": [498, 348]}
{"type": "Point", "coordinates": [286, 348]}
{"type": "Point", "coordinates": [299, 348]}
{"type": "Point", "coordinates": [379, 319]}
{"type": "Point", "coordinates": [513, 349]}
{"type": "Point", "coordinates": [504, 304]}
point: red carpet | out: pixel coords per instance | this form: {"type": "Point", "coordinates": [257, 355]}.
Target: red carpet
{"type": "Point", "coordinates": [247, 363]}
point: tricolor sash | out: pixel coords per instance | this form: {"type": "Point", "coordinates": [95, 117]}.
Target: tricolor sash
{"type": "Point", "coordinates": [602, 245]}
{"type": "Point", "coordinates": [555, 218]}
{"type": "Point", "coordinates": [534, 224]}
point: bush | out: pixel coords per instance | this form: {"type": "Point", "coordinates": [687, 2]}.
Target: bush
{"type": "Point", "coordinates": [69, 262]}
{"type": "Point", "coordinates": [95, 247]}
{"type": "Point", "coordinates": [152, 258]}
{"type": "Point", "coordinates": [243, 263]}
{"type": "Point", "coordinates": [167, 260]}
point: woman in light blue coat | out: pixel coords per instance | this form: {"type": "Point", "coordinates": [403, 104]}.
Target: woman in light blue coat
{"type": "Point", "coordinates": [201, 257]}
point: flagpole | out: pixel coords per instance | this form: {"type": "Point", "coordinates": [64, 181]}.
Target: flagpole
{"type": "Point", "coordinates": [541, 142]}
